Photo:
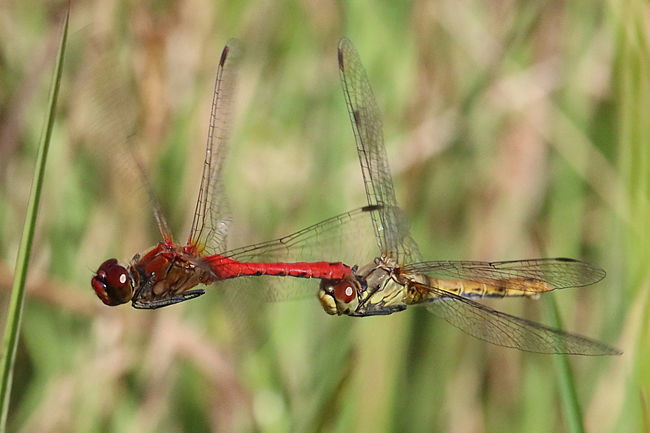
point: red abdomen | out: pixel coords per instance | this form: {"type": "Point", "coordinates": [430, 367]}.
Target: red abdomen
{"type": "Point", "coordinates": [224, 268]}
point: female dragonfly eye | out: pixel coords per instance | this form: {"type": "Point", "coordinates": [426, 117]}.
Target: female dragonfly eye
{"type": "Point", "coordinates": [345, 294]}
{"type": "Point", "coordinates": [112, 283]}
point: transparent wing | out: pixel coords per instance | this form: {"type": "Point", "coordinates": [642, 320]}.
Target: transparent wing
{"type": "Point", "coordinates": [107, 121]}
{"type": "Point", "coordinates": [366, 123]}
{"type": "Point", "coordinates": [165, 231]}
{"type": "Point", "coordinates": [211, 218]}
{"type": "Point", "coordinates": [505, 330]}
{"type": "Point", "coordinates": [345, 238]}
{"type": "Point", "coordinates": [558, 273]}
{"type": "Point", "coordinates": [339, 238]}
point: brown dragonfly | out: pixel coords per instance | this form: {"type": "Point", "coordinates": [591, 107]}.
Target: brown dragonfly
{"type": "Point", "coordinates": [448, 289]}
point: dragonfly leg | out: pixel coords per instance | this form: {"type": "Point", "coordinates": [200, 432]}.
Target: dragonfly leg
{"type": "Point", "coordinates": [385, 311]}
{"type": "Point", "coordinates": [158, 303]}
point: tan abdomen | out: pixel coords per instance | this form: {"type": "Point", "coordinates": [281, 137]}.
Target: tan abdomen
{"type": "Point", "coordinates": [475, 290]}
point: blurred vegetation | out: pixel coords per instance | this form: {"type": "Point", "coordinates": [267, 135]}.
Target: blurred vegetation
{"type": "Point", "coordinates": [514, 130]}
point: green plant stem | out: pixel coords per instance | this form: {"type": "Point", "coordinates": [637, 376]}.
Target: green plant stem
{"type": "Point", "coordinates": [572, 410]}
{"type": "Point", "coordinates": [10, 339]}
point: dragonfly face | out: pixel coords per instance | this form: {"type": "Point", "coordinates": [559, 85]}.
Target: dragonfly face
{"type": "Point", "coordinates": [338, 297]}
{"type": "Point", "coordinates": [112, 283]}
{"type": "Point", "coordinates": [370, 291]}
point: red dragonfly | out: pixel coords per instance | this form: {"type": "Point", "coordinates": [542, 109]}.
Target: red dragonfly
{"type": "Point", "coordinates": [448, 289]}
{"type": "Point", "coordinates": [169, 273]}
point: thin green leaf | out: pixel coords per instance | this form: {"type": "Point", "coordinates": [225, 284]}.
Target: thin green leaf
{"type": "Point", "coordinates": [10, 339]}
{"type": "Point", "coordinates": [572, 410]}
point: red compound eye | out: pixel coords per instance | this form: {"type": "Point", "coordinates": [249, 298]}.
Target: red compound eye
{"type": "Point", "coordinates": [112, 283]}
{"type": "Point", "coordinates": [117, 277]}
{"type": "Point", "coordinates": [345, 292]}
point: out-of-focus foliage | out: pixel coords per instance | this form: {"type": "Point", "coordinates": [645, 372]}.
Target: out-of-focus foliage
{"type": "Point", "coordinates": [514, 130]}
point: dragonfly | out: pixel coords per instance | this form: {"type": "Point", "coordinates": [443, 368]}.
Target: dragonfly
{"type": "Point", "coordinates": [397, 278]}
{"type": "Point", "coordinates": [169, 273]}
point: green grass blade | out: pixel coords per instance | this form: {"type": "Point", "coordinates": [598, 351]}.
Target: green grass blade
{"type": "Point", "coordinates": [572, 410]}
{"type": "Point", "coordinates": [10, 339]}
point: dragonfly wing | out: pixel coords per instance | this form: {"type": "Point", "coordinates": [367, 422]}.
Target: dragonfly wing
{"type": "Point", "coordinates": [165, 231]}
{"type": "Point", "coordinates": [106, 116]}
{"type": "Point", "coordinates": [345, 238]}
{"type": "Point", "coordinates": [502, 329]}
{"type": "Point", "coordinates": [211, 219]}
{"type": "Point", "coordinates": [409, 251]}
{"type": "Point", "coordinates": [557, 273]}
{"type": "Point", "coordinates": [369, 136]}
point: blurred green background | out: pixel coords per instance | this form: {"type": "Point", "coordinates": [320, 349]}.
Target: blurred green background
{"type": "Point", "coordinates": [514, 130]}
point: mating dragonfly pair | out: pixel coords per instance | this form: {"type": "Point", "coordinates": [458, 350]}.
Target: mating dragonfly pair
{"type": "Point", "coordinates": [170, 273]}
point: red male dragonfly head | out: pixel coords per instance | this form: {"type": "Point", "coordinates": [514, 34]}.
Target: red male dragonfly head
{"type": "Point", "coordinates": [112, 283]}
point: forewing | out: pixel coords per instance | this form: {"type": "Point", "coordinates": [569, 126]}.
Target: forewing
{"type": "Point", "coordinates": [345, 238]}
{"type": "Point", "coordinates": [558, 273]}
{"type": "Point", "coordinates": [106, 116]}
{"type": "Point", "coordinates": [211, 217]}
{"type": "Point", "coordinates": [337, 239]}
{"type": "Point", "coordinates": [369, 136]}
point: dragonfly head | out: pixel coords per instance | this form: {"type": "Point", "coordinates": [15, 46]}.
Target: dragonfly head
{"type": "Point", "coordinates": [112, 283]}
{"type": "Point", "coordinates": [339, 296]}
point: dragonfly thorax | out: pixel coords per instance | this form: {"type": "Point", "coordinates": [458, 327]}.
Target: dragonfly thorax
{"type": "Point", "coordinates": [166, 275]}
{"type": "Point", "coordinates": [383, 291]}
